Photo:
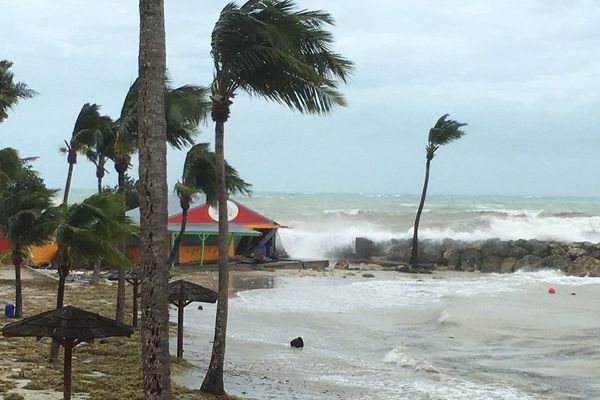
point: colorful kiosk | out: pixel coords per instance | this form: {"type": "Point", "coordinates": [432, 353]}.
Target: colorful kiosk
{"type": "Point", "coordinates": [250, 233]}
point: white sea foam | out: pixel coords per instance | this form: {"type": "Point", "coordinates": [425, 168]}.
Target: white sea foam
{"type": "Point", "coordinates": [402, 357]}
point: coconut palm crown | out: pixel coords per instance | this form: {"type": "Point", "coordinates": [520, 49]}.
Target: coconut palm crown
{"type": "Point", "coordinates": [443, 132]}
{"type": "Point", "coordinates": [10, 92]}
{"type": "Point", "coordinates": [270, 49]}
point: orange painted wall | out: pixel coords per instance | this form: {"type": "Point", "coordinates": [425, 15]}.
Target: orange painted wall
{"type": "Point", "coordinates": [43, 253]}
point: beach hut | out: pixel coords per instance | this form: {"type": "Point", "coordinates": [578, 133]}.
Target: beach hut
{"type": "Point", "coordinates": [248, 231]}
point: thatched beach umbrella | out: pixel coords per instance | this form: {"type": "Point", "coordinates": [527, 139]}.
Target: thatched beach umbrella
{"type": "Point", "coordinates": [70, 326]}
{"type": "Point", "coordinates": [134, 277]}
{"type": "Point", "coordinates": [182, 293]}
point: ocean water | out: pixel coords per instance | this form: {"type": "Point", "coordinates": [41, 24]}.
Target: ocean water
{"type": "Point", "coordinates": [322, 222]}
{"type": "Point", "coordinates": [446, 336]}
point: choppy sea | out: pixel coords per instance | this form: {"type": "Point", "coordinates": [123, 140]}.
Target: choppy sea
{"type": "Point", "coordinates": [446, 336]}
{"type": "Point", "coordinates": [321, 222]}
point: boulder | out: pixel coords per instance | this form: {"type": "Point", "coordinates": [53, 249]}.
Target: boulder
{"type": "Point", "coordinates": [341, 264]}
{"type": "Point", "coordinates": [574, 251]}
{"type": "Point", "coordinates": [517, 251]}
{"type": "Point", "coordinates": [491, 263]}
{"type": "Point", "coordinates": [297, 343]}
{"type": "Point", "coordinates": [495, 247]}
{"type": "Point", "coordinates": [529, 263]}
{"type": "Point", "coordinates": [470, 260]}
{"type": "Point", "coordinates": [585, 266]}
{"type": "Point", "coordinates": [539, 248]}
{"type": "Point", "coordinates": [508, 265]}
{"type": "Point", "coordinates": [557, 262]}
{"type": "Point", "coordinates": [368, 276]}
{"type": "Point", "coordinates": [451, 258]}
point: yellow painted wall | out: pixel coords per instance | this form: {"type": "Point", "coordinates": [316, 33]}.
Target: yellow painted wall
{"type": "Point", "coordinates": [43, 253]}
{"type": "Point", "coordinates": [191, 254]}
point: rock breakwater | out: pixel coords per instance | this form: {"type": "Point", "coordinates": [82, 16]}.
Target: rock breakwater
{"type": "Point", "coordinates": [492, 255]}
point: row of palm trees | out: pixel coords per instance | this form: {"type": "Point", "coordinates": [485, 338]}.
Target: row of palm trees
{"type": "Point", "coordinates": [267, 48]}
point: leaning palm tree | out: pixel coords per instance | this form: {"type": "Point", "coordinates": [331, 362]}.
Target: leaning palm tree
{"type": "Point", "coordinates": [10, 92]}
{"type": "Point", "coordinates": [445, 131]}
{"type": "Point", "coordinates": [271, 49]}
{"type": "Point", "coordinates": [199, 176]}
{"type": "Point", "coordinates": [27, 218]}
{"type": "Point", "coordinates": [86, 127]}
{"type": "Point", "coordinates": [88, 232]}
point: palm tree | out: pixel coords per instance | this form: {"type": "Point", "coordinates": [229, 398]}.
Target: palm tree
{"type": "Point", "coordinates": [10, 165]}
{"type": "Point", "coordinates": [87, 126]}
{"type": "Point", "coordinates": [88, 232]}
{"type": "Point", "coordinates": [266, 48]}
{"type": "Point", "coordinates": [444, 131]}
{"type": "Point", "coordinates": [27, 217]}
{"type": "Point", "coordinates": [10, 92]}
{"type": "Point", "coordinates": [199, 176]}
{"type": "Point", "coordinates": [152, 138]}
{"type": "Point", "coordinates": [101, 148]}
{"type": "Point", "coordinates": [185, 108]}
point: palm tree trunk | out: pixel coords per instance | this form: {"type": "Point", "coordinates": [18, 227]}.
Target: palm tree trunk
{"type": "Point", "coordinates": [68, 184]}
{"type": "Point", "coordinates": [120, 314]}
{"type": "Point", "coordinates": [414, 257]}
{"type": "Point", "coordinates": [178, 239]}
{"type": "Point", "coordinates": [63, 272]}
{"type": "Point", "coordinates": [213, 381]}
{"type": "Point", "coordinates": [153, 202]}
{"type": "Point", "coordinates": [17, 259]}
{"type": "Point", "coordinates": [99, 174]}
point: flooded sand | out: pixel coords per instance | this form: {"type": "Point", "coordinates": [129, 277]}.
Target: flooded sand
{"type": "Point", "coordinates": [444, 336]}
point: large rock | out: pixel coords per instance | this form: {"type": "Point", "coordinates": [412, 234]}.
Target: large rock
{"type": "Point", "coordinates": [585, 266]}
{"type": "Point", "coordinates": [539, 248]}
{"type": "Point", "coordinates": [470, 260]}
{"type": "Point", "coordinates": [451, 258]}
{"type": "Point", "coordinates": [508, 265]}
{"type": "Point", "coordinates": [518, 251]}
{"type": "Point", "coordinates": [529, 263]}
{"type": "Point", "coordinates": [491, 263]}
{"type": "Point", "coordinates": [557, 262]}
{"type": "Point", "coordinates": [574, 251]}
{"type": "Point", "coordinates": [495, 247]}
{"type": "Point", "coordinates": [341, 264]}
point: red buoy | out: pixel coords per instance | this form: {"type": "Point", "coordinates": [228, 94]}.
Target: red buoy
{"type": "Point", "coordinates": [551, 290]}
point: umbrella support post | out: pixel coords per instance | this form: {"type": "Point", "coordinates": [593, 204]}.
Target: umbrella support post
{"type": "Point", "coordinates": [68, 345]}
{"type": "Point", "coordinates": [135, 303]}
{"type": "Point", "coordinates": [180, 310]}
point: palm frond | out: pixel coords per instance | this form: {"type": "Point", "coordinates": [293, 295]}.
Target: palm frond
{"type": "Point", "coordinates": [11, 92]}
{"type": "Point", "coordinates": [445, 131]}
{"type": "Point", "coordinates": [270, 49]}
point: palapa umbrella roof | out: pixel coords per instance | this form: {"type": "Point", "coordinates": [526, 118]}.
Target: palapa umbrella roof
{"type": "Point", "coordinates": [132, 273]}
{"type": "Point", "coordinates": [188, 291]}
{"type": "Point", "coordinates": [67, 322]}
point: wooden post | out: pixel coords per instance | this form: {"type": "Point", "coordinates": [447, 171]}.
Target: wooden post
{"type": "Point", "coordinates": [180, 310]}
{"type": "Point", "coordinates": [135, 283]}
{"type": "Point", "coordinates": [68, 345]}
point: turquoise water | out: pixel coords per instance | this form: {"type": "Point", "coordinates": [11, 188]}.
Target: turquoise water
{"type": "Point", "coordinates": [319, 223]}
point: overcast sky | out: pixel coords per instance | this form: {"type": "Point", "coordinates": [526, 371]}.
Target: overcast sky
{"type": "Point", "coordinates": [524, 75]}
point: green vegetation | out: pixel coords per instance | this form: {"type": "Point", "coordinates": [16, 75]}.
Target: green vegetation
{"type": "Point", "coordinates": [10, 91]}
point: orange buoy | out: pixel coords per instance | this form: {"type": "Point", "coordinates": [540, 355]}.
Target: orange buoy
{"type": "Point", "coordinates": [551, 290]}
